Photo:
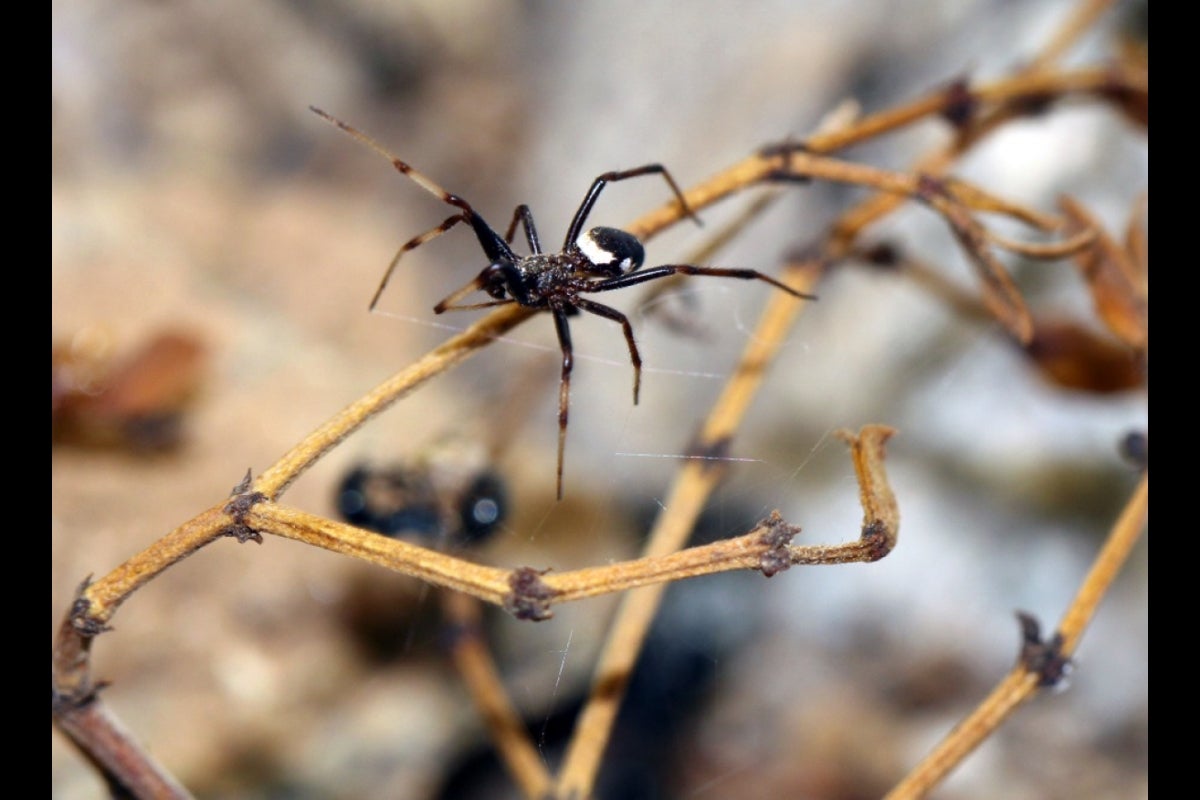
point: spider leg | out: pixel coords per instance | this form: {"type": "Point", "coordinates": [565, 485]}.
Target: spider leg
{"type": "Point", "coordinates": [412, 244]}
{"type": "Point", "coordinates": [617, 316]}
{"type": "Point", "coordinates": [564, 386]}
{"type": "Point", "coordinates": [422, 180]}
{"type": "Point", "coordinates": [448, 303]}
{"type": "Point", "coordinates": [598, 185]}
{"type": "Point", "coordinates": [524, 215]}
{"type": "Point", "coordinates": [634, 278]}
{"type": "Point", "coordinates": [495, 248]}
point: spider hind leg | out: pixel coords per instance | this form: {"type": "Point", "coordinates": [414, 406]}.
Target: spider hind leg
{"type": "Point", "coordinates": [564, 388]}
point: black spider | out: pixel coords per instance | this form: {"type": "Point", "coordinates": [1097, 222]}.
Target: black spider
{"type": "Point", "coordinates": [598, 260]}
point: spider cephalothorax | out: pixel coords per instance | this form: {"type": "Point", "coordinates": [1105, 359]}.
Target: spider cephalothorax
{"type": "Point", "coordinates": [597, 260]}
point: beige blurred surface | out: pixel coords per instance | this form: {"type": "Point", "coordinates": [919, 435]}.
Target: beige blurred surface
{"type": "Point", "coordinates": [192, 190]}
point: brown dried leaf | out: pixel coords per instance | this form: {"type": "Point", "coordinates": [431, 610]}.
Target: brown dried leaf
{"type": "Point", "coordinates": [1071, 356]}
{"type": "Point", "coordinates": [136, 402]}
{"type": "Point", "coordinates": [1111, 276]}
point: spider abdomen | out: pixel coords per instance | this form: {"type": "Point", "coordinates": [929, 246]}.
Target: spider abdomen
{"type": "Point", "coordinates": [611, 251]}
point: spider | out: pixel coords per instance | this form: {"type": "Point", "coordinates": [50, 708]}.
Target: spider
{"type": "Point", "coordinates": [597, 260]}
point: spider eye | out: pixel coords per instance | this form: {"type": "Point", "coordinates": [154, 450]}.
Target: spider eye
{"type": "Point", "coordinates": [612, 250]}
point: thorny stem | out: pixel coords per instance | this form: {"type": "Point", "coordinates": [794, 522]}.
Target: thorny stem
{"type": "Point", "coordinates": [495, 585]}
{"type": "Point", "coordinates": [1021, 684]}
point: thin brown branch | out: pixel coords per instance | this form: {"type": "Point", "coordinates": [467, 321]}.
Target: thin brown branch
{"type": "Point", "coordinates": [500, 586]}
{"type": "Point", "coordinates": [1022, 683]}
{"type": "Point", "coordinates": [474, 661]}
{"type": "Point", "coordinates": [1011, 92]}
{"type": "Point", "coordinates": [1000, 294]}
{"type": "Point", "coordinates": [458, 348]}
{"type": "Point", "coordinates": [1122, 538]}
{"type": "Point", "coordinates": [765, 547]}
{"type": "Point", "coordinates": [1046, 250]}
{"type": "Point", "coordinates": [122, 762]}
{"type": "Point", "coordinates": [486, 583]}
{"type": "Point", "coordinates": [101, 599]}
{"type": "Point", "coordinates": [1080, 21]}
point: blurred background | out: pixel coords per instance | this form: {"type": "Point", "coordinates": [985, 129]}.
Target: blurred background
{"type": "Point", "coordinates": [214, 249]}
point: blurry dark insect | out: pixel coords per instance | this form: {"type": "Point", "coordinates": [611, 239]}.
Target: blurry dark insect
{"type": "Point", "coordinates": [443, 501]}
{"type": "Point", "coordinates": [136, 402]}
{"type": "Point", "coordinates": [598, 260]}
{"type": "Point", "coordinates": [448, 497]}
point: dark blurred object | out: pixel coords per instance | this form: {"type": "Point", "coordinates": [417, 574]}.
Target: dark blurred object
{"type": "Point", "coordinates": [1135, 448]}
{"type": "Point", "coordinates": [135, 403]}
{"type": "Point", "coordinates": [439, 500]}
{"type": "Point", "coordinates": [448, 498]}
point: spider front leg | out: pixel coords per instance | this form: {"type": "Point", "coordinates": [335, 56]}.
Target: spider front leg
{"type": "Point", "coordinates": [524, 215]}
{"type": "Point", "coordinates": [485, 279]}
{"type": "Point", "coordinates": [634, 278]}
{"type": "Point", "coordinates": [412, 244]}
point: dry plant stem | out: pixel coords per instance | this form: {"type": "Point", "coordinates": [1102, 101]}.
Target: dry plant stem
{"type": "Point", "coordinates": [123, 763]}
{"type": "Point", "coordinates": [483, 582]}
{"type": "Point", "coordinates": [1030, 84]}
{"type": "Point", "coordinates": [690, 490]}
{"type": "Point", "coordinates": [98, 601]}
{"type": "Point", "coordinates": [1078, 23]}
{"type": "Point", "coordinates": [456, 349]}
{"type": "Point", "coordinates": [474, 662]}
{"type": "Point", "coordinates": [1006, 91]}
{"type": "Point", "coordinates": [494, 585]}
{"type": "Point", "coordinates": [1107, 565]}
{"type": "Point", "coordinates": [1021, 684]}
{"type": "Point", "coordinates": [880, 523]}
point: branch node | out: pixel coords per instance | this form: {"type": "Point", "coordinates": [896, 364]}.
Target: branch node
{"type": "Point", "coordinates": [782, 150]}
{"type": "Point", "coordinates": [777, 537]}
{"type": "Point", "coordinates": [961, 104]}
{"type": "Point", "coordinates": [243, 500]}
{"type": "Point", "coordinates": [711, 455]}
{"type": "Point", "coordinates": [65, 702]}
{"type": "Point", "coordinates": [530, 596]}
{"type": "Point", "coordinates": [930, 187]}
{"type": "Point", "coordinates": [1043, 658]}
{"type": "Point", "coordinates": [877, 539]}
{"type": "Point", "coordinates": [81, 618]}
